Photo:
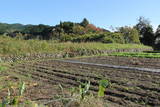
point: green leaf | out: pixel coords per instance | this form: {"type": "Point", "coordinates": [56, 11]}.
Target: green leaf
{"type": "Point", "coordinates": [21, 88]}
{"type": "Point", "coordinates": [101, 91]}
{"type": "Point", "coordinates": [103, 84]}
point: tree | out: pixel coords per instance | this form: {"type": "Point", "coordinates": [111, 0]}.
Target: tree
{"type": "Point", "coordinates": [157, 34]}
{"type": "Point", "coordinates": [146, 31]}
{"type": "Point", "coordinates": [84, 23]}
{"type": "Point", "coordinates": [77, 29]}
{"type": "Point", "coordinates": [92, 28]}
{"type": "Point", "coordinates": [157, 38]}
{"type": "Point", "coordinates": [148, 36]}
{"type": "Point", "coordinates": [112, 37]}
{"type": "Point", "coordinates": [37, 31]}
{"type": "Point", "coordinates": [130, 35]}
{"type": "Point", "coordinates": [67, 27]}
{"type": "Point", "coordinates": [142, 23]}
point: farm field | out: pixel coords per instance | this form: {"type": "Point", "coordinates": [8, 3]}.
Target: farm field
{"type": "Point", "coordinates": [79, 54]}
{"type": "Point", "coordinates": [128, 87]}
{"type": "Point", "coordinates": [141, 62]}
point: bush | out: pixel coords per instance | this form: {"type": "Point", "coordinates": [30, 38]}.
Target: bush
{"type": "Point", "coordinates": [90, 37]}
{"type": "Point", "coordinates": [65, 38]}
{"type": "Point", "coordinates": [108, 40]}
{"type": "Point", "coordinates": [113, 38]}
{"type": "Point", "coordinates": [130, 35]}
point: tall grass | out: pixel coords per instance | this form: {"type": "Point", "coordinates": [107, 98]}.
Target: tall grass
{"type": "Point", "coordinates": [12, 46]}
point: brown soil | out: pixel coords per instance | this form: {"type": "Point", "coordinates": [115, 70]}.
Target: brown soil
{"type": "Point", "coordinates": [124, 61]}
{"type": "Point", "coordinates": [38, 91]}
{"type": "Point", "coordinates": [129, 88]}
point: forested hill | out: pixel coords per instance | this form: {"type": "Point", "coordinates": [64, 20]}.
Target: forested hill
{"type": "Point", "coordinates": [42, 31]}
{"type": "Point", "coordinates": [85, 31]}
{"type": "Point", "coordinates": [67, 27]}
{"type": "Point", "coordinates": [8, 28]}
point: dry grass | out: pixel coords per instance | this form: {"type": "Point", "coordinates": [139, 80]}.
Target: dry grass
{"type": "Point", "coordinates": [12, 46]}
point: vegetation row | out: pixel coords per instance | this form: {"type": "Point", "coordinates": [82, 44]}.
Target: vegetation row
{"type": "Point", "coordinates": [139, 54]}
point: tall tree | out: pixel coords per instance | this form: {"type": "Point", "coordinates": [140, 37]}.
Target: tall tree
{"type": "Point", "coordinates": [157, 33]}
{"type": "Point", "coordinates": [148, 36]}
{"type": "Point", "coordinates": [142, 22]}
{"type": "Point", "coordinates": [146, 31]}
{"type": "Point", "coordinates": [157, 39]}
{"type": "Point", "coordinates": [84, 23]}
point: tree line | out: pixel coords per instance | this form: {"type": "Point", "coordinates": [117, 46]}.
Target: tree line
{"type": "Point", "coordinates": [84, 31]}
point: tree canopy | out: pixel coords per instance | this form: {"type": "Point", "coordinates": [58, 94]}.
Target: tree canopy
{"type": "Point", "coordinates": [145, 29]}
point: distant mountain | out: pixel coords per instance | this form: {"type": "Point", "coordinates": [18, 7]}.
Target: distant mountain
{"type": "Point", "coordinates": [7, 28]}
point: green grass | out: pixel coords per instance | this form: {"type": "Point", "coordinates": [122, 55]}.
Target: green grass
{"type": "Point", "coordinates": [11, 46]}
{"type": "Point", "coordinates": [2, 68]}
{"type": "Point", "coordinates": [136, 54]}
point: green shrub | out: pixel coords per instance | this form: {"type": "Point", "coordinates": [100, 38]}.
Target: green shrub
{"type": "Point", "coordinates": [113, 38]}
{"type": "Point", "coordinates": [130, 35]}
{"type": "Point", "coordinates": [108, 40]}
{"type": "Point", "coordinates": [65, 38]}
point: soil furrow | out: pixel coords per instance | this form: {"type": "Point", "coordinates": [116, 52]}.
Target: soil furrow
{"type": "Point", "coordinates": [109, 92]}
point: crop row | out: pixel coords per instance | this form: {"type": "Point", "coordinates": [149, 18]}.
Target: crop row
{"type": "Point", "coordinates": [51, 75]}
{"type": "Point", "coordinates": [109, 74]}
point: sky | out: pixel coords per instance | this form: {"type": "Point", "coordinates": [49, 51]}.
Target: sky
{"type": "Point", "coordinates": [102, 13]}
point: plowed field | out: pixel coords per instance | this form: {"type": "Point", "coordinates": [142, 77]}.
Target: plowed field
{"type": "Point", "coordinates": [129, 88]}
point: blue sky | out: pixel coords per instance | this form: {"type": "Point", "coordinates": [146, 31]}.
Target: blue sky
{"type": "Point", "coordinates": [102, 13]}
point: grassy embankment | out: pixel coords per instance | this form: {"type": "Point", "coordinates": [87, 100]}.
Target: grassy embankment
{"type": "Point", "coordinates": [15, 47]}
